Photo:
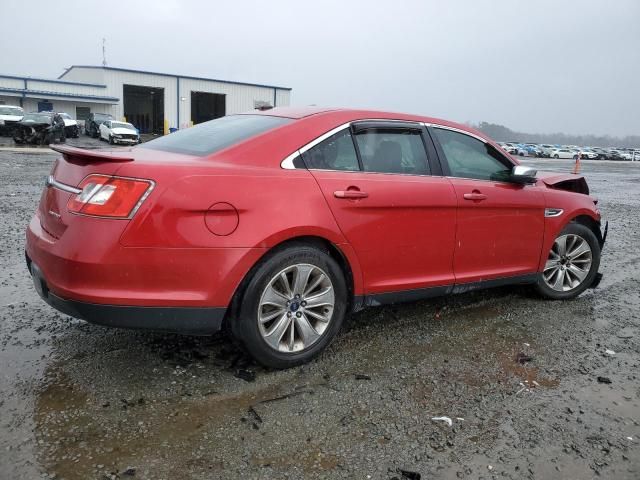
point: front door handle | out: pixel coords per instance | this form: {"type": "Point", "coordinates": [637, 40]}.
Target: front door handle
{"type": "Point", "coordinates": [350, 194]}
{"type": "Point", "coordinates": [475, 196]}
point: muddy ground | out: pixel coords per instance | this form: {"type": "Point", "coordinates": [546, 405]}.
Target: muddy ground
{"type": "Point", "coordinates": [78, 401]}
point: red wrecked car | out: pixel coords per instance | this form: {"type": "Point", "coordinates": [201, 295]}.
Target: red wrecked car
{"type": "Point", "coordinates": [277, 224]}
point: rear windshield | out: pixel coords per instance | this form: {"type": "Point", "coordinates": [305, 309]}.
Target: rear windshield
{"type": "Point", "coordinates": [214, 135]}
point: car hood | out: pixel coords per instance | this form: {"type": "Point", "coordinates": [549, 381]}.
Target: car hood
{"type": "Point", "coordinates": [33, 123]}
{"type": "Point", "coordinates": [68, 122]}
{"type": "Point", "coordinates": [10, 118]}
{"type": "Point", "coordinates": [123, 131]}
{"type": "Point", "coordinates": [563, 181]}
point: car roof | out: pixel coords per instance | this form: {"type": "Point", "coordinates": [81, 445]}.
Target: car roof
{"type": "Point", "coordinates": [352, 115]}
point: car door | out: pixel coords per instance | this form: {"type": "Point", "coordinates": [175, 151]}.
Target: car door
{"type": "Point", "coordinates": [500, 225]}
{"type": "Point", "coordinates": [397, 215]}
{"type": "Point", "coordinates": [104, 130]}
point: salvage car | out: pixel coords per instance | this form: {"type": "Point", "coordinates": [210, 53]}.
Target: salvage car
{"type": "Point", "coordinates": [276, 225]}
{"type": "Point", "coordinates": [41, 128]}
{"type": "Point", "coordinates": [119, 132]}
{"type": "Point", "coordinates": [9, 118]}
{"type": "Point", "coordinates": [71, 128]}
{"type": "Point", "coordinates": [93, 122]}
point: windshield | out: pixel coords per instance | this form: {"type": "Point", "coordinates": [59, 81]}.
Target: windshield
{"type": "Point", "coordinates": [214, 135]}
{"type": "Point", "coordinates": [101, 117]}
{"type": "Point", "coordinates": [37, 117]}
{"type": "Point", "coordinates": [122, 125]}
{"type": "Point", "coordinates": [65, 115]}
{"type": "Point", "coordinates": [15, 111]}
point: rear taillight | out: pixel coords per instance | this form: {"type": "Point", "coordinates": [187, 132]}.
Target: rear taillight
{"type": "Point", "coordinates": [113, 197]}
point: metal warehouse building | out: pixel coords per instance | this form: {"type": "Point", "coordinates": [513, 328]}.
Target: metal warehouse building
{"type": "Point", "coordinates": [153, 102]}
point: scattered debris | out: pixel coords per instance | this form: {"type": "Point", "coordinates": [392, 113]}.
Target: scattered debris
{"type": "Point", "coordinates": [630, 439]}
{"type": "Point", "coordinates": [360, 376]}
{"type": "Point", "coordinates": [460, 418]}
{"type": "Point", "coordinates": [609, 352]}
{"type": "Point", "coordinates": [526, 345]}
{"type": "Point", "coordinates": [246, 375]}
{"type": "Point", "coordinates": [490, 467]}
{"type": "Point", "coordinates": [606, 380]}
{"type": "Point", "coordinates": [523, 358]}
{"type": "Point", "coordinates": [256, 416]}
{"type": "Point", "coordinates": [409, 475]}
{"type": "Point", "coordinates": [285, 396]}
{"type": "Point", "coordinates": [443, 419]}
{"type": "Point", "coordinates": [129, 472]}
{"type": "Point", "coordinates": [625, 333]}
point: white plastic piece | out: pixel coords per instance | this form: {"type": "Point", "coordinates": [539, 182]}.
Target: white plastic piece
{"type": "Point", "coordinates": [443, 419]}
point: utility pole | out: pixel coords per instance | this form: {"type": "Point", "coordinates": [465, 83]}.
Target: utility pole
{"type": "Point", "coordinates": [104, 52]}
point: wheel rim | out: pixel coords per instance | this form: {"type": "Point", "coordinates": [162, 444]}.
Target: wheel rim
{"type": "Point", "coordinates": [568, 264]}
{"type": "Point", "coordinates": [296, 308]}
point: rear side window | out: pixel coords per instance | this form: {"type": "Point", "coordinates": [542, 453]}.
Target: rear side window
{"type": "Point", "coordinates": [469, 157]}
{"type": "Point", "coordinates": [335, 153]}
{"type": "Point", "coordinates": [209, 137]}
{"type": "Point", "coordinates": [393, 151]}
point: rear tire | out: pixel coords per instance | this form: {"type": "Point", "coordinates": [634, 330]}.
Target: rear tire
{"type": "Point", "coordinates": [286, 341]}
{"type": "Point", "coordinates": [556, 156]}
{"type": "Point", "coordinates": [558, 283]}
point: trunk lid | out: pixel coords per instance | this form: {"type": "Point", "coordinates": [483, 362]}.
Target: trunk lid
{"type": "Point", "coordinates": [67, 173]}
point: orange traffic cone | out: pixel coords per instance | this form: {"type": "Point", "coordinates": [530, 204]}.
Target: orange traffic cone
{"type": "Point", "coordinates": [576, 167]}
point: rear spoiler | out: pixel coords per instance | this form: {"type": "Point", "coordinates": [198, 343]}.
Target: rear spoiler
{"type": "Point", "coordinates": [84, 155]}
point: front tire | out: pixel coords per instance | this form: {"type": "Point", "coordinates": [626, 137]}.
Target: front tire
{"type": "Point", "coordinates": [572, 264]}
{"type": "Point", "coordinates": [292, 308]}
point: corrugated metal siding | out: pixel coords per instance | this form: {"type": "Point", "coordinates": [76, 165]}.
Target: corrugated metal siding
{"type": "Point", "coordinates": [31, 105]}
{"type": "Point", "coordinates": [11, 83]}
{"type": "Point", "coordinates": [62, 88]}
{"type": "Point", "coordinates": [239, 98]}
{"type": "Point", "coordinates": [283, 98]}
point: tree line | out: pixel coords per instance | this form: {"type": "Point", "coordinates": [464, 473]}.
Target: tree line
{"type": "Point", "coordinates": [500, 133]}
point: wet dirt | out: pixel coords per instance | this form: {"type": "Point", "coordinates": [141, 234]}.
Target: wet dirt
{"type": "Point", "coordinates": [517, 375]}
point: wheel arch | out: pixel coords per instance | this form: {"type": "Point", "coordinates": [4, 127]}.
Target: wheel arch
{"type": "Point", "coordinates": [341, 253]}
{"type": "Point", "coordinates": [553, 226]}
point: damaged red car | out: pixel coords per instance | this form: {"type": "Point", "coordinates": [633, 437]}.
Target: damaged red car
{"type": "Point", "coordinates": [275, 225]}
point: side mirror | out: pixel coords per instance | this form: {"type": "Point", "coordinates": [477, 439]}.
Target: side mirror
{"type": "Point", "coordinates": [523, 175]}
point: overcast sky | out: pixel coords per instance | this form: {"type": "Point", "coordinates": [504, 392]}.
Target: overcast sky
{"type": "Point", "coordinates": [535, 66]}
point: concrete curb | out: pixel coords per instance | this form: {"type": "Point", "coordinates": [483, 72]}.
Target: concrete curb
{"type": "Point", "coordinates": [26, 149]}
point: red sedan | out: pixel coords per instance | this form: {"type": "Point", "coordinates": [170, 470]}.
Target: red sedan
{"type": "Point", "coordinates": [278, 224]}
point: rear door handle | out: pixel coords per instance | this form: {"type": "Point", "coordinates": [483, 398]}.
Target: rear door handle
{"type": "Point", "coordinates": [475, 196]}
{"type": "Point", "coordinates": [350, 194]}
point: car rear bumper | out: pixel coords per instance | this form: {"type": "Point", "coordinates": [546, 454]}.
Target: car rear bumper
{"type": "Point", "coordinates": [185, 320]}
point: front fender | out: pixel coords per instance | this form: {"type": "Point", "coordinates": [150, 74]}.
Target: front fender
{"type": "Point", "coordinates": [573, 206]}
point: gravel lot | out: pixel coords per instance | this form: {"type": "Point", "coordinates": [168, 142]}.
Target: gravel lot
{"type": "Point", "coordinates": [79, 401]}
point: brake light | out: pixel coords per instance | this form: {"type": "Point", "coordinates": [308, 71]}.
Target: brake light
{"type": "Point", "coordinates": [113, 197]}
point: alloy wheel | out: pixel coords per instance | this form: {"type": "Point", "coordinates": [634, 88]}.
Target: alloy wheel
{"type": "Point", "coordinates": [568, 264]}
{"type": "Point", "coordinates": [296, 307]}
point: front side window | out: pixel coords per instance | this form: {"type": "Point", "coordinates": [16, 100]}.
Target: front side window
{"type": "Point", "coordinates": [469, 157]}
{"type": "Point", "coordinates": [335, 153]}
{"type": "Point", "coordinates": [393, 151]}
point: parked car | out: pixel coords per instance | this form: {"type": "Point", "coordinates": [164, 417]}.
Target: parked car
{"type": "Point", "coordinates": [71, 128]}
{"type": "Point", "coordinates": [616, 155]}
{"type": "Point", "coordinates": [510, 148]}
{"type": "Point", "coordinates": [564, 153]}
{"type": "Point", "coordinates": [588, 154]}
{"type": "Point", "coordinates": [275, 226]}
{"type": "Point", "coordinates": [9, 118]}
{"type": "Point", "coordinates": [119, 132]}
{"type": "Point", "coordinates": [93, 122]}
{"type": "Point", "coordinates": [546, 149]}
{"type": "Point", "coordinates": [41, 128]}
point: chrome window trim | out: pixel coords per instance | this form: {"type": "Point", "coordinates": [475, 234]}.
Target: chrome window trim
{"type": "Point", "coordinates": [287, 163]}
{"type": "Point", "coordinates": [458, 130]}
{"type": "Point", "coordinates": [52, 182]}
